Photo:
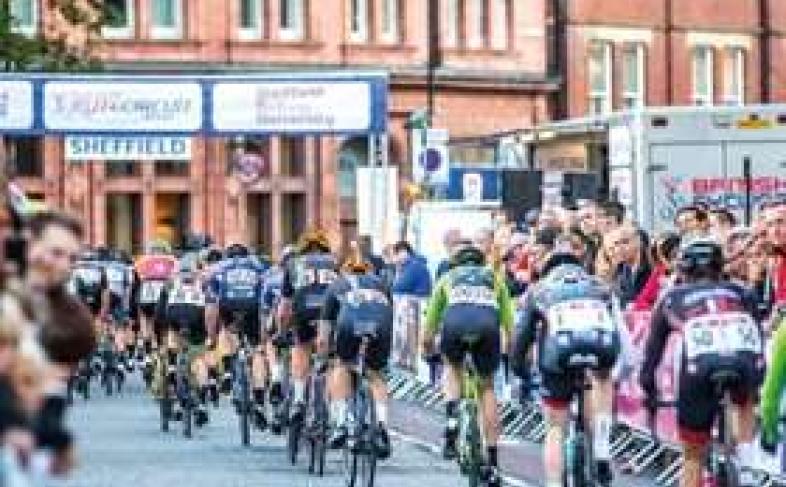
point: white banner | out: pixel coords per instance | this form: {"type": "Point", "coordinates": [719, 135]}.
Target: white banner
{"type": "Point", "coordinates": [121, 107]}
{"type": "Point", "coordinates": [128, 148]}
{"type": "Point", "coordinates": [16, 105]}
{"type": "Point", "coordinates": [377, 204]}
{"type": "Point", "coordinates": [292, 107]}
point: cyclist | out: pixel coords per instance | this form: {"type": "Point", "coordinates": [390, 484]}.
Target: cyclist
{"type": "Point", "coordinates": [119, 281]}
{"type": "Point", "coordinates": [237, 283]}
{"type": "Point", "coordinates": [565, 300]}
{"type": "Point", "coordinates": [180, 315]}
{"type": "Point", "coordinates": [720, 333]}
{"type": "Point", "coordinates": [303, 290]}
{"type": "Point", "coordinates": [471, 300]}
{"type": "Point", "coordinates": [154, 269]}
{"type": "Point", "coordinates": [358, 295]}
{"type": "Point", "coordinates": [88, 282]}
{"type": "Point", "coordinates": [271, 294]}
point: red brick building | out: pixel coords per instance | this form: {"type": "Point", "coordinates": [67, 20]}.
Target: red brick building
{"type": "Point", "coordinates": [491, 75]}
{"type": "Point", "coordinates": [626, 53]}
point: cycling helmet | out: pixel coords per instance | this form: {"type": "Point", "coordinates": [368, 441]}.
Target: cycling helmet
{"type": "Point", "coordinates": [213, 255]}
{"type": "Point", "coordinates": [158, 247]}
{"type": "Point", "coordinates": [314, 240]}
{"type": "Point", "coordinates": [701, 258]}
{"type": "Point", "coordinates": [558, 260]}
{"type": "Point", "coordinates": [88, 255]}
{"type": "Point", "coordinates": [287, 252]}
{"type": "Point", "coordinates": [356, 265]}
{"type": "Point", "coordinates": [237, 251]}
{"type": "Point", "coordinates": [467, 254]}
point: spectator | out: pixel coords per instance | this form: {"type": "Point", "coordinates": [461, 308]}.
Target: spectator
{"type": "Point", "coordinates": [518, 265]}
{"type": "Point", "coordinates": [588, 217]}
{"type": "Point", "coordinates": [721, 222]}
{"type": "Point", "coordinates": [664, 251]}
{"type": "Point", "coordinates": [55, 243]}
{"type": "Point", "coordinates": [630, 270]}
{"type": "Point", "coordinates": [449, 241]}
{"type": "Point", "coordinates": [367, 251]}
{"type": "Point", "coordinates": [412, 275]}
{"type": "Point", "coordinates": [692, 221]}
{"type": "Point", "coordinates": [611, 215]}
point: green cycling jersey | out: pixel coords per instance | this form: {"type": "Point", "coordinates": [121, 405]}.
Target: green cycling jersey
{"type": "Point", "coordinates": [440, 299]}
{"type": "Point", "coordinates": [774, 383]}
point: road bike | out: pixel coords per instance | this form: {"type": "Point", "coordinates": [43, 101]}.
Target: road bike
{"type": "Point", "coordinates": [317, 421]}
{"type": "Point", "coordinates": [177, 389]}
{"type": "Point", "coordinates": [579, 464]}
{"type": "Point", "coordinates": [469, 440]}
{"type": "Point", "coordinates": [241, 383]}
{"type": "Point", "coordinates": [360, 453]}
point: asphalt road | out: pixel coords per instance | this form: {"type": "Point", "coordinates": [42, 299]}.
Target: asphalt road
{"type": "Point", "coordinates": [120, 444]}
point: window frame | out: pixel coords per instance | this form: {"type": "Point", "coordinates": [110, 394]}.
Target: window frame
{"type": "Point", "coordinates": [168, 32]}
{"type": "Point", "coordinates": [478, 38]}
{"type": "Point", "coordinates": [500, 25]}
{"type": "Point", "coordinates": [640, 93]}
{"type": "Point", "coordinates": [390, 31]}
{"type": "Point", "coordinates": [453, 29]}
{"type": "Point", "coordinates": [361, 35]}
{"type": "Point", "coordinates": [736, 56]}
{"type": "Point", "coordinates": [296, 11]}
{"type": "Point", "coordinates": [126, 31]}
{"type": "Point", "coordinates": [593, 94]}
{"type": "Point", "coordinates": [703, 99]}
{"type": "Point", "coordinates": [31, 29]}
{"type": "Point", "coordinates": [251, 33]}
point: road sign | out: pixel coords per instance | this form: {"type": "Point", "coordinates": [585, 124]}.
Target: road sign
{"type": "Point", "coordinates": [431, 158]}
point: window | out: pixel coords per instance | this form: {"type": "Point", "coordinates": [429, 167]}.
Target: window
{"type": "Point", "coordinates": [703, 76]}
{"type": "Point", "coordinates": [292, 155]}
{"type": "Point", "coordinates": [250, 21]}
{"type": "Point", "coordinates": [452, 22]}
{"type": "Point", "coordinates": [122, 169]}
{"type": "Point", "coordinates": [25, 156]}
{"type": "Point", "coordinates": [633, 93]}
{"type": "Point", "coordinates": [291, 19]}
{"type": "Point", "coordinates": [599, 73]}
{"type": "Point", "coordinates": [171, 168]}
{"type": "Point", "coordinates": [500, 35]}
{"type": "Point", "coordinates": [390, 21]}
{"type": "Point", "coordinates": [24, 14]}
{"type": "Point", "coordinates": [479, 29]}
{"type": "Point", "coordinates": [358, 20]}
{"type": "Point", "coordinates": [167, 19]}
{"type": "Point", "coordinates": [734, 76]}
{"type": "Point", "coordinates": [118, 19]}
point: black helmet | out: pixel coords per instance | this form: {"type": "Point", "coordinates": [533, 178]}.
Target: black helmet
{"type": "Point", "coordinates": [701, 257]}
{"type": "Point", "coordinates": [213, 255]}
{"type": "Point", "coordinates": [467, 254]}
{"type": "Point", "coordinates": [236, 251]}
{"type": "Point", "coordinates": [559, 259]}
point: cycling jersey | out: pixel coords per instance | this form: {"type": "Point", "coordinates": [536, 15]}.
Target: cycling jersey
{"type": "Point", "coordinates": [181, 308]}
{"type": "Point", "coordinates": [120, 280]}
{"type": "Point", "coordinates": [271, 289]}
{"type": "Point", "coordinates": [154, 272]}
{"type": "Point", "coordinates": [774, 383]}
{"type": "Point", "coordinates": [237, 283]}
{"type": "Point", "coordinates": [88, 281]}
{"type": "Point", "coordinates": [356, 301]}
{"type": "Point", "coordinates": [472, 304]}
{"type": "Point", "coordinates": [305, 282]}
{"type": "Point", "coordinates": [719, 332]}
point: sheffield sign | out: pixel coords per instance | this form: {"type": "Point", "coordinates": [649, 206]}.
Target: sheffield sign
{"type": "Point", "coordinates": [109, 105]}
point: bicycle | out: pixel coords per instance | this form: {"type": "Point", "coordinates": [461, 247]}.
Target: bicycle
{"type": "Point", "coordinates": [241, 383]}
{"type": "Point", "coordinates": [177, 387]}
{"type": "Point", "coordinates": [280, 405]}
{"type": "Point", "coordinates": [469, 440]}
{"type": "Point", "coordinates": [578, 470]}
{"type": "Point", "coordinates": [111, 373]}
{"type": "Point", "coordinates": [317, 421]}
{"type": "Point", "coordinates": [722, 463]}
{"type": "Point", "coordinates": [360, 454]}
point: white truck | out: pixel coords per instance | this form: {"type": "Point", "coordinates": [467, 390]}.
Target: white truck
{"type": "Point", "coordinates": [661, 159]}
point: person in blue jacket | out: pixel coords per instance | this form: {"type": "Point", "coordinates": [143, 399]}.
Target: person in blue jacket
{"type": "Point", "coordinates": [412, 275]}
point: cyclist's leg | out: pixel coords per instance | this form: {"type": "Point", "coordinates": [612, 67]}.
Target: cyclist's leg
{"type": "Point", "coordinates": [252, 328]}
{"type": "Point", "coordinates": [226, 348]}
{"type": "Point", "coordinates": [305, 335]}
{"type": "Point", "coordinates": [378, 356]}
{"type": "Point", "coordinates": [557, 391]}
{"type": "Point", "coordinates": [338, 385]}
{"type": "Point", "coordinates": [744, 425]}
{"type": "Point", "coordinates": [452, 350]}
{"type": "Point", "coordinates": [274, 366]}
{"type": "Point", "coordinates": [600, 413]}
{"type": "Point", "coordinates": [199, 375]}
{"type": "Point", "coordinates": [487, 357]}
{"type": "Point", "coordinates": [696, 407]}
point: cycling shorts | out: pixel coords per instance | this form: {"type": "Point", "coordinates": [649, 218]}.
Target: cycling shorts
{"type": "Point", "coordinates": [249, 325]}
{"type": "Point", "coordinates": [698, 405]}
{"type": "Point", "coordinates": [148, 310]}
{"type": "Point", "coordinates": [378, 352]}
{"type": "Point", "coordinates": [477, 331]}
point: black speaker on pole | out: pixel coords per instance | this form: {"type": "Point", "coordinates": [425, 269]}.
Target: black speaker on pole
{"type": "Point", "coordinates": [579, 186]}
{"type": "Point", "coordinates": [521, 191]}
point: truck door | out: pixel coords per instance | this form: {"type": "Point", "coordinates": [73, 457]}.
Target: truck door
{"type": "Point", "coordinates": [675, 176]}
{"type": "Point", "coordinates": [768, 175]}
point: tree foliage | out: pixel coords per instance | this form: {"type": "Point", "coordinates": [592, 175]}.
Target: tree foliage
{"type": "Point", "coordinates": [64, 40]}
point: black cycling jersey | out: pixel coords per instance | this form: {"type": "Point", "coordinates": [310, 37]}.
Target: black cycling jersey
{"type": "Point", "coordinates": [305, 282]}
{"type": "Point", "coordinates": [181, 308]}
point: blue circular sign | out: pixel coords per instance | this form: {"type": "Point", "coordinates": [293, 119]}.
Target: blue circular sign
{"type": "Point", "coordinates": [431, 159]}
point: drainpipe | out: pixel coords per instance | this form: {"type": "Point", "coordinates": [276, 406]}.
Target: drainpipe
{"type": "Point", "coordinates": [434, 56]}
{"type": "Point", "coordinates": [765, 75]}
{"type": "Point", "coordinates": [668, 31]}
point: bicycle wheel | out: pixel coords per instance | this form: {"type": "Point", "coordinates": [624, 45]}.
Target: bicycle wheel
{"type": "Point", "coordinates": [85, 387]}
{"type": "Point", "coordinates": [365, 451]}
{"type": "Point", "coordinates": [350, 466]}
{"type": "Point", "coordinates": [188, 416]}
{"type": "Point", "coordinates": [165, 405]}
{"type": "Point", "coordinates": [318, 428]}
{"type": "Point", "coordinates": [293, 440]}
{"type": "Point", "coordinates": [244, 410]}
{"type": "Point", "coordinates": [576, 466]}
{"type": "Point", "coordinates": [107, 379]}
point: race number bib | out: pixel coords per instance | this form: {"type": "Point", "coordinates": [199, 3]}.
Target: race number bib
{"type": "Point", "coordinates": [150, 292]}
{"type": "Point", "coordinates": [310, 277]}
{"type": "Point", "coordinates": [473, 295]}
{"type": "Point", "coordinates": [242, 277]}
{"type": "Point", "coordinates": [580, 315]}
{"type": "Point", "coordinates": [722, 334]}
{"type": "Point", "coordinates": [88, 274]}
{"type": "Point", "coordinates": [188, 295]}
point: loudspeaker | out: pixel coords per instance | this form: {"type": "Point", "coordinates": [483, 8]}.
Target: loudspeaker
{"type": "Point", "coordinates": [579, 186]}
{"type": "Point", "coordinates": [521, 191]}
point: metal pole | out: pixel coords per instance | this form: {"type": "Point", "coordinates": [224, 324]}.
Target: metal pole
{"type": "Point", "coordinates": [434, 56]}
{"type": "Point", "coordinates": [746, 174]}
